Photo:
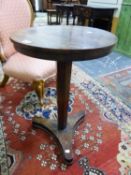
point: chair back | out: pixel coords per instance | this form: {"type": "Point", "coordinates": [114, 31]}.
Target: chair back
{"type": "Point", "coordinates": [82, 12]}
{"type": "Point", "coordinates": [14, 15]}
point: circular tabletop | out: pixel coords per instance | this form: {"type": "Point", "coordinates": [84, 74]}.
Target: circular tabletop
{"type": "Point", "coordinates": [64, 43]}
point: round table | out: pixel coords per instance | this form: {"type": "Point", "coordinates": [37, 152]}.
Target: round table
{"type": "Point", "coordinates": [63, 44]}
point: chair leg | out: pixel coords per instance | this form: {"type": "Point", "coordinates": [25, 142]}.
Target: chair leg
{"type": "Point", "coordinates": [4, 81]}
{"type": "Point", "coordinates": [39, 89]}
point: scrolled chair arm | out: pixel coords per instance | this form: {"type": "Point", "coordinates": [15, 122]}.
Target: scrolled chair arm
{"type": "Point", "coordinates": [2, 60]}
{"type": "Point", "coordinates": [2, 56]}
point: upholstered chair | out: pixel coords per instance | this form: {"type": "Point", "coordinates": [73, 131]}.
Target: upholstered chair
{"type": "Point", "coordinates": [16, 15]}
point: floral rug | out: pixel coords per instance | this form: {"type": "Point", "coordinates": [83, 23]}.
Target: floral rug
{"type": "Point", "coordinates": [120, 84]}
{"type": "Point", "coordinates": [101, 144]}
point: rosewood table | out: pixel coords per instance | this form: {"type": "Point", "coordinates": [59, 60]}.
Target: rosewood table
{"type": "Point", "coordinates": [63, 44]}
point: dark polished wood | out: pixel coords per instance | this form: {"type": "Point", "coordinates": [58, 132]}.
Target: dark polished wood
{"type": "Point", "coordinates": [82, 13]}
{"type": "Point", "coordinates": [99, 17]}
{"type": "Point", "coordinates": [63, 87]}
{"type": "Point", "coordinates": [66, 9]}
{"type": "Point", "coordinates": [63, 44]}
{"type": "Point", "coordinates": [63, 137]}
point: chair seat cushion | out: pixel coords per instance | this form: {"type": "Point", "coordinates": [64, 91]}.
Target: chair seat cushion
{"type": "Point", "coordinates": [28, 68]}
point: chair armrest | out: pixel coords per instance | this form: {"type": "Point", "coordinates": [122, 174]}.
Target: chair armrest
{"type": "Point", "coordinates": [2, 56]}
{"type": "Point", "coordinates": [32, 13]}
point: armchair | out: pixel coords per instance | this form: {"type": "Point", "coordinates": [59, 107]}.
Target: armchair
{"type": "Point", "coordinates": [16, 15]}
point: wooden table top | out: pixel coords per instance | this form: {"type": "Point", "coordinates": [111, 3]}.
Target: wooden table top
{"type": "Point", "coordinates": [64, 43]}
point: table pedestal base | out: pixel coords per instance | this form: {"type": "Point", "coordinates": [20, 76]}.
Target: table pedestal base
{"type": "Point", "coordinates": [63, 137]}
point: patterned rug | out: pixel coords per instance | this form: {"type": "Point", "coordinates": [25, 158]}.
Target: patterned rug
{"type": "Point", "coordinates": [120, 84]}
{"type": "Point", "coordinates": [101, 144]}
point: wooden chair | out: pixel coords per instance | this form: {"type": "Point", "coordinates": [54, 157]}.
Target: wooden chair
{"type": "Point", "coordinates": [16, 15]}
{"type": "Point", "coordinates": [52, 14]}
{"type": "Point", "coordinates": [82, 14]}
